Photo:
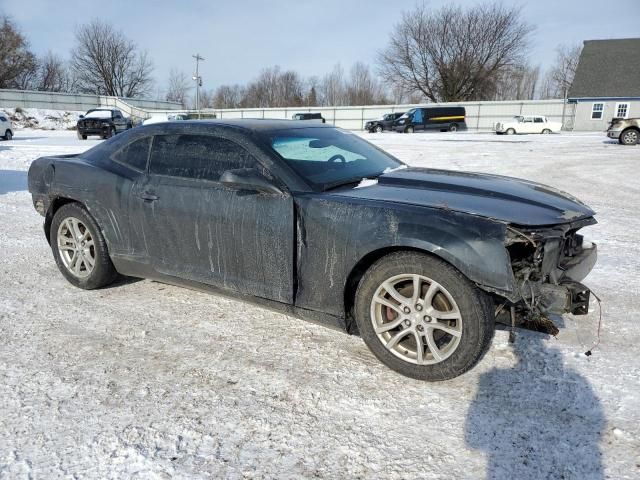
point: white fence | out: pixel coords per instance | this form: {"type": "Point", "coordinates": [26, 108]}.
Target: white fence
{"type": "Point", "coordinates": [80, 102]}
{"type": "Point", "coordinates": [480, 115]}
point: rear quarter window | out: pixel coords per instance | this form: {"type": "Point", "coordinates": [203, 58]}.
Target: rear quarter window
{"type": "Point", "coordinates": [134, 154]}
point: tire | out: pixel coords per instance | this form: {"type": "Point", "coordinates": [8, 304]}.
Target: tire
{"type": "Point", "coordinates": [409, 129]}
{"type": "Point", "coordinates": [110, 133]}
{"type": "Point", "coordinates": [453, 127]}
{"type": "Point", "coordinates": [81, 136]}
{"type": "Point", "coordinates": [473, 329]}
{"type": "Point", "coordinates": [8, 135]}
{"type": "Point", "coordinates": [69, 223]}
{"type": "Point", "coordinates": [630, 136]}
{"type": "Point", "coordinates": [546, 131]}
{"type": "Point", "coordinates": [510, 131]}
{"type": "Point", "coordinates": [379, 129]}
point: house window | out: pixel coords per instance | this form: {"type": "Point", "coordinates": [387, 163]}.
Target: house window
{"type": "Point", "coordinates": [622, 110]}
{"type": "Point", "coordinates": [596, 111]}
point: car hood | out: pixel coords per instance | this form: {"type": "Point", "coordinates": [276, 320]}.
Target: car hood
{"type": "Point", "coordinates": [507, 199]}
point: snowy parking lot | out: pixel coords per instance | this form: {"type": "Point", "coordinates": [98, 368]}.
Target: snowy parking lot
{"type": "Point", "coordinates": [146, 380]}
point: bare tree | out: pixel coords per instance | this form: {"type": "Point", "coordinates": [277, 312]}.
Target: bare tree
{"type": "Point", "coordinates": [560, 77]}
{"type": "Point", "coordinates": [106, 62]}
{"type": "Point", "coordinates": [18, 64]}
{"type": "Point", "coordinates": [228, 96]}
{"type": "Point", "coordinates": [453, 54]}
{"type": "Point", "coordinates": [519, 82]}
{"type": "Point", "coordinates": [362, 88]}
{"type": "Point", "coordinates": [178, 88]}
{"type": "Point", "coordinates": [333, 88]}
{"type": "Point", "coordinates": [53, 75]}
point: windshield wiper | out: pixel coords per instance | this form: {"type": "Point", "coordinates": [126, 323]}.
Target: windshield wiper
{"type": "Point", "coordinates": [348, 181]}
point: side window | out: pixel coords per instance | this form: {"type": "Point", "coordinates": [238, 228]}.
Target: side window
{"type": "Point", "coordinates": [538, 120]}
{"type": "Point", "coordinates": [596, 111]}
{"type": "Point", "coordinates": [528, 120]}
{"type": "Point", "coordinates": [197, 156]}
{"type": "Point", "coordinates": [417, 116]}
{"type": "Point", "coordinates": [134, 154]}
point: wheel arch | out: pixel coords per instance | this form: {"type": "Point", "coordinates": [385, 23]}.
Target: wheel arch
{"type": "Point", "coordinates": [361, 266]}
{"type": "Point", "coordinates": [631, 127]}
{"type": "Point", "coordinates": [55, 204]}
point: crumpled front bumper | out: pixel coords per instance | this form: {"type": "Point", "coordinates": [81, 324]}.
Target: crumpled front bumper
{"type": "Point", "coordinates": [549, 265]}
{"type": "Point", "coordinates": [568, 295]}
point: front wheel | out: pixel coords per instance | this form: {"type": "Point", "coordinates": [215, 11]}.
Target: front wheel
{"type": "Point", "coordinates": [409, 129]}
{"type": "Point", "coordinates": [79, 248]}
{"type": "Point", "coordinates": [629, 137]}
{"type": "Point", "coordinates": [379, 129]}
{"type": "Point", "coordinates": [8, 135]}
{"type": "Point", "coordinates": [511, 131]}
{"type": "Point", "coordinates": [81, 136]}
{"type": "Point", "coordinates": [422, 318]}
{"type": "Point", "coordinates": [453, 127]}
{"type": "Point", "coordinates": [546, 131]}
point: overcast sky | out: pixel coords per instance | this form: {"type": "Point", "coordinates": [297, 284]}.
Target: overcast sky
{"type": "Point", "coordinates": [239, 38]}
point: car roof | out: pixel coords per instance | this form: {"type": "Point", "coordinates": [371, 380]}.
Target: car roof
{"type": "Point", "coordinates": [255, 124]}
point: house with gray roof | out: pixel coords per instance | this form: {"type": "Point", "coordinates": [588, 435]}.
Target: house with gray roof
{"type": "Point", "coordinates": [607, 83]}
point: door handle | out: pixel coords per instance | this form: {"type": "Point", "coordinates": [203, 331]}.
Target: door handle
{"type": "Point", "coordinates": [148, 197]}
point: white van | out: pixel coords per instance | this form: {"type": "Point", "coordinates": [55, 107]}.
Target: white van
{"type": "Point", "coordinates": [6, 130]}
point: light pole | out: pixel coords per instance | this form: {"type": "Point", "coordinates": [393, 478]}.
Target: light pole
{"type": "Point", "coordinates": [198, 80]}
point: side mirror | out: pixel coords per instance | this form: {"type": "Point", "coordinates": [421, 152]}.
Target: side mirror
{"type": "Point", "coordinates": [248, 179]}
{"type": "Point", "coordinates": [81, 116]}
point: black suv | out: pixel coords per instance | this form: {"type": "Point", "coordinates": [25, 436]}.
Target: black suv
{"type": "Point", "coordinates": [309, 116]}
{"type": "Point", "coordinates": [385, 123]}
{"type": "Point", "coordinates": [103, 122]}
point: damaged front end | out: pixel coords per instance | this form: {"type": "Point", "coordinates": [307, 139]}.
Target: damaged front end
{"type": "Point", "coordinates": [549, 265]}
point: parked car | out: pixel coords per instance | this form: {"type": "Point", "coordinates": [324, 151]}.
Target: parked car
{"type": "Point", "coordinates": [102, 122]}
{"type": "Point", "coordinates": [382, 124]}
{"type": "Point", "coordinates": [626, 130]}
{"type": "Point", "coordinates": [442, 119]}
{"type": "Point", "coordinates": [309, 116]}
{"type": "Point", "coordinates": [6, 129]}
{"type": "Point", "coordinates": [415, 260]}
{"type": "Point", "coordinates": [527, 124]}
{"type": "Point", "coordinates": [168, 117]}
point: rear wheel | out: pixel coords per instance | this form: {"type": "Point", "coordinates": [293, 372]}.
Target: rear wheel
{"type": "Point", "coordinates": [629, 137]}
{"type": "Point", "coordinates": [546, 131]}
{"type": "Point", "coordinates": [423, 318]}
{"type": "Point", "coordinates": [79, 248]}
{"type": "Point", "coordinates": [453, 127]}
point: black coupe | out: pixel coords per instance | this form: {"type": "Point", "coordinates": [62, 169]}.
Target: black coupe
{"type": "Point", "coordinates": [317, 222]}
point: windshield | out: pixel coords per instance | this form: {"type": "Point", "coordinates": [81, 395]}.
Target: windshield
{"type": "Point", "coordinates": [98, 114]}
{"type": "Point", "coordinates": [408, 114]}
{"type": "Point", "coordinates": [330, 157]}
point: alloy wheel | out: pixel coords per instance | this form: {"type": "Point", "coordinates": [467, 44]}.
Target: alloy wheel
{"type": "Point", "coordinates": [416, 319]}
{"type": "Point", "coordinates": [76, 247]}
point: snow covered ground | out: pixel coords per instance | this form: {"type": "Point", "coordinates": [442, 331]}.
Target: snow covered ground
{"type": "Point", "coordinates": [145, 380]}
{"type": "Point", "coordinates": [44, 119]}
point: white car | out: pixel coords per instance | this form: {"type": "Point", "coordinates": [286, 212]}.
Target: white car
{"type": "Point", "coordinates": [169, 117]}
{"type": "Point", "coordinates": [527, 124]}
{"type": "Point", "coordinates": [6, 129]}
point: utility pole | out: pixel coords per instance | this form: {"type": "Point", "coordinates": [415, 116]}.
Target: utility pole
{"type": "Point", "coordinates": [198, 80]}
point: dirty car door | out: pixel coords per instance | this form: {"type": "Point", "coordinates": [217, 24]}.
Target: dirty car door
{"type": "Point", "coordinates": [199, 229]}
